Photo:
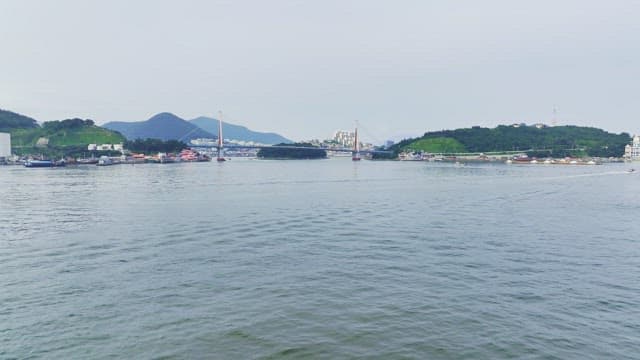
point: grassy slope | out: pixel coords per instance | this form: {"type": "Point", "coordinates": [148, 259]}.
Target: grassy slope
{"type": "Point", "coordinates": [68, 137]}
{"type": "Point", "coordinates": [437, 145]}
{"type": "Point", "coordinates": [85, 135]}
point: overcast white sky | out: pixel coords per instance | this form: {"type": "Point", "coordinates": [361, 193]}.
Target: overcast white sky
{"type": "Point", "coordinates": [307, 68]}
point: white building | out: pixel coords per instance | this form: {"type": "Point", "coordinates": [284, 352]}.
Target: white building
{"type": "Point", "coordinates": [632, 151]}
{"type": "Point", "coordinates": [203, 141]}
{"type": "Point", "coordinates": [105, 147]}
{"type": "Point", "coordinates": [344, 138]}
{"type": "Point", "coordinates": [5, 145]}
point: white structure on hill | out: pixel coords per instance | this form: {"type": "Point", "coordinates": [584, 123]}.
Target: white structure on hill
{"type": "Point", "coordinates": [105, 147]}
{"type": "Point", "coordinates": [5, 145]}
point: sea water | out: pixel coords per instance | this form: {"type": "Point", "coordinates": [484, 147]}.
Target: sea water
{"type": "Point", "coordinates": [320, 259]}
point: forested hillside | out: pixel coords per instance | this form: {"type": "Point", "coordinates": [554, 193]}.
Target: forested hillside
{"type": "Point", "coordinates": [292, 151]}
{"type": "Point", "coordinates": [544, 141]}
{"type": "Point", "coordinates": [10, 121]}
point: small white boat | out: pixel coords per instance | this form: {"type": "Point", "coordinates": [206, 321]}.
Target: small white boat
{"type": "Point", "coordinates": [104, 161]}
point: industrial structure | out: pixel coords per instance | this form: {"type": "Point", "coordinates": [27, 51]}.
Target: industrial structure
{"type": "Point", "coordinates": [5, 146]}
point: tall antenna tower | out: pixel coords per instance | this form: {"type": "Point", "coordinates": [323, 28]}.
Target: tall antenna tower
{"type": "Point", "coordinates": [554, 120]}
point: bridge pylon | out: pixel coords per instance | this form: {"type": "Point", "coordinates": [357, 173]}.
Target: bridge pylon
{"type": "Point", "coordinates": [220, 156]}
{"type": "Point", "coordinates": [355, 154]}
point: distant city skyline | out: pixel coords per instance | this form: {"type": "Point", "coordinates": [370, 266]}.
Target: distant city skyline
{"type": "Point", "coordinates": [307, 69]}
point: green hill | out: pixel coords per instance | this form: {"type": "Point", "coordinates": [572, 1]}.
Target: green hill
{"type": "Point", "coordinates": [437, 145]}
{"type": "Point", "coordinates": [25, 132]}
{"type": "Point", "coordinates": [61, 138]}
{"type": "Point", "coordinates": [71, 132]}
{"type": "Point", "coordinates": [79, 132]}
{"type": "Point", "coordinates": [557, 141]}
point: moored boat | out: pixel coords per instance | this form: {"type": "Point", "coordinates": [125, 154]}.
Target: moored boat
{"type": "Point", "coordinates": [165, 158]}
{"type": "Point", "coordinates": [34, 163]}
{"type": "Point", "coordinates": [189, 155]}
{"type": "Point", "coordinates": [104, 161]}
{"type": "Point", "coordinates": [39, 163]}
{"type": "Point", "coordinates": [89, 161]}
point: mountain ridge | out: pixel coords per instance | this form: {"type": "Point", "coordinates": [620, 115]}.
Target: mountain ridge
{"type": "Point", "coordinates": [238, 132]}
{"type": "Point", "coordinates": [168, 126]}
{"type": "Point", "coordinates": [164, 126]}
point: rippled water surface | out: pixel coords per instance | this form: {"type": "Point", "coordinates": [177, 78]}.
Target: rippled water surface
{"type": "Point", "coordinates": [320, 259]}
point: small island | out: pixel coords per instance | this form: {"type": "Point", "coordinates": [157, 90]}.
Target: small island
{"type": "Point", "coordinates": [294, 151]}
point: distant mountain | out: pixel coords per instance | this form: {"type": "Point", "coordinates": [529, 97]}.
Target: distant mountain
{"type": "Point", "coordinates": [164, 126]}
{"type": "Point", "coordinates": [237, 132]}
{"type": "Point", "coordinates": [12, 121]}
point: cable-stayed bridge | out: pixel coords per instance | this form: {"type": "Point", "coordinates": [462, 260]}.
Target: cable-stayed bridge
{"type": "Point", "coordinates": [228, 146]}
{"type": "Point", "coordinates": [220, 146]}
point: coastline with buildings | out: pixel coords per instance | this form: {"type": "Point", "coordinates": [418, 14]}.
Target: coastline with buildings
{"type": "Point", "coordinates": [517, 143]}
{"type": "Point", "coordinates": [202, 150]}
{"type": "Point", "coordinates": [632, 151]}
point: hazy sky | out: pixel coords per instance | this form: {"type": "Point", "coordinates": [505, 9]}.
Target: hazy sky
{"type": "Point", "coordinates": [307, 68]}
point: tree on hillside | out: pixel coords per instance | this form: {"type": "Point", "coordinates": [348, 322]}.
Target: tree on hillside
{"type": "Point", "coordinates": [149, 146]}
{"type": "Point", "coordinates": [74, 123]}
{"type": "Point", "coordinates": [292, 151]}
